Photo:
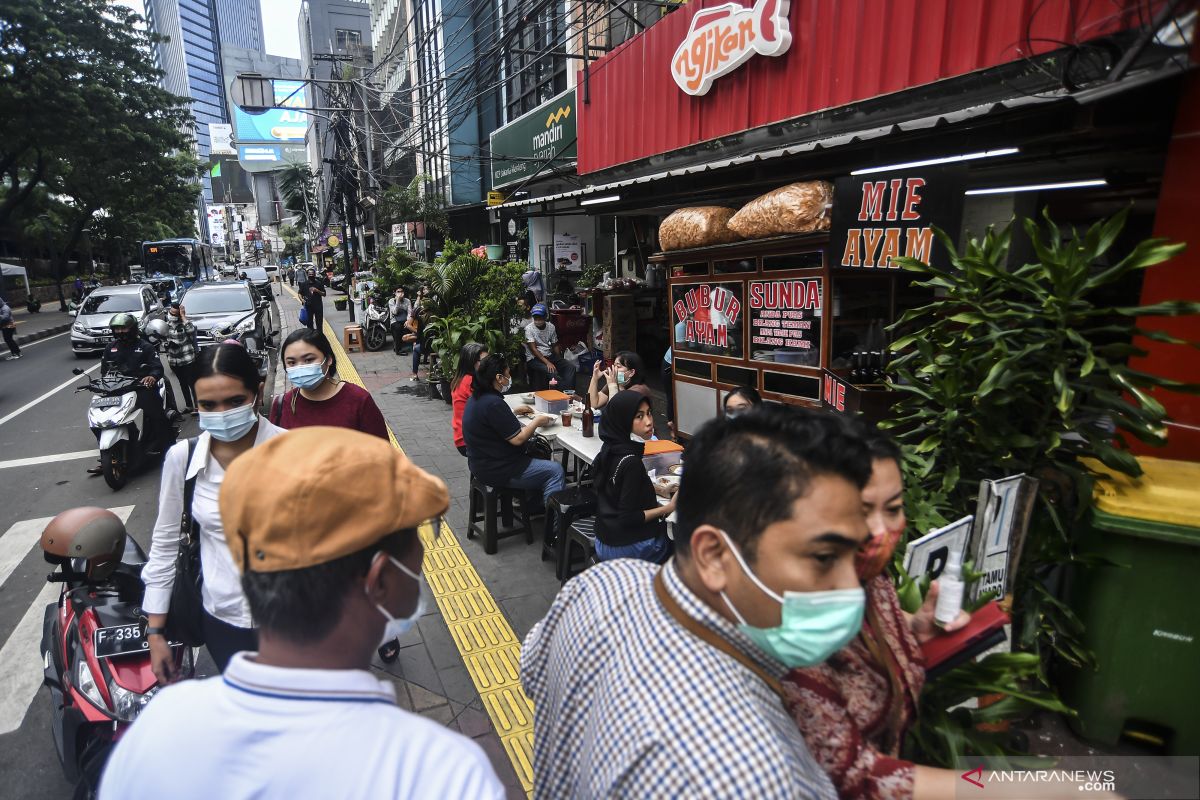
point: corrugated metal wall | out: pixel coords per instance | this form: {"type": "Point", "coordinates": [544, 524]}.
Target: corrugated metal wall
{"type": "Point", "coordinates": [842, 51]}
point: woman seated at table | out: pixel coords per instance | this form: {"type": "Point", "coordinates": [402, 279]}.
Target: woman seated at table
{"type": "Point", "coordinates": [854, 709]}
{"type": "Point", "coordinates": [741, 400]}
{"type": "Point", "coordinates": [626, 372]}
{"type": "Point", "coordinates": [460, 388]}
{"type": "Point", "coordinates": [629, 521]}
{"type": "Point", "coordinates": [496, 440]}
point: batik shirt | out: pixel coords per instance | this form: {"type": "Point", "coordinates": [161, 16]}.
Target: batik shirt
{"type": "Point", "coordinates": [627, 703]}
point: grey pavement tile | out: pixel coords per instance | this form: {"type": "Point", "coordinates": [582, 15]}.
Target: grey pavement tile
{"type": "Point", "coordinates": [492, 746]}
{"type": "Point", "coordinates": [442, 649]}
{"type": "Point", "coordinates": [441, 715]}
{"type": "Point", "coordinates": [525, 611]}
{"type": "Point", "coordinates": [470, 721]}
{"type": "Point", "coordinates": [458, 686]}
{"type": "Point", "coordinates": [423, 699]}
{"type": "Point", "coordinates": [414, 665]}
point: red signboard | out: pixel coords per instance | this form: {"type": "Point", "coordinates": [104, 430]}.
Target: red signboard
{"type": "Point", "coordinates": [840, 52]}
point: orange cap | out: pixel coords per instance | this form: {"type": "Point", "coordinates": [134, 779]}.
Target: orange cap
{"type": "Point", "coordinates": [317, 494]}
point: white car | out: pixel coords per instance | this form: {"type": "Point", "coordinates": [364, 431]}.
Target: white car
{"type": "Point", "coordinates": [272, 271]}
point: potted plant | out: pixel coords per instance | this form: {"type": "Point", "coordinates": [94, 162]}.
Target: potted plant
{"type": "Point", "coordinates": [340, 303]}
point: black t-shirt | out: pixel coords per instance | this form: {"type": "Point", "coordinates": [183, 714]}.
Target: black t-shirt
{"type": "Point", "coordinates": [487, 425]}
{"type": "Point", "coordinates": [623, 498]}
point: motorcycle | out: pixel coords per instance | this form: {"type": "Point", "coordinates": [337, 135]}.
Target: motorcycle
{"type": "Point", "coordinates": [95, 656]}
{"type": "Point", "coordinates": [242, 333]}
{"type": "Point", "coordinates": [116, 421]}
{"type": "Point", "coordinates": [377, 324]}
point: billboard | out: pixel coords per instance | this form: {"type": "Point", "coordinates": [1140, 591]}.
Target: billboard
{"type": "Point", "coordinates": [276, 125]}
{"type": "Point", "coordinates": [220, 138]}
{"type": "Point", "coordinates": [230, 183]}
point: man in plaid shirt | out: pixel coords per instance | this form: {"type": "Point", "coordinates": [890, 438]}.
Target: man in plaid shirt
{"type": "Point", "coordinates": [181, 352]}
{"type": "Point", "coordinates": [653, 681]}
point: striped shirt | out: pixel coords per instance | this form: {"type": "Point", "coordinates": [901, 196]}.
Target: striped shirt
{"type": "Point", "coordinates": [629, 704]}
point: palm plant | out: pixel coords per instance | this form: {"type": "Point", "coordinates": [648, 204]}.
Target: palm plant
{"type": "Point", "coordinates": [299, 192]}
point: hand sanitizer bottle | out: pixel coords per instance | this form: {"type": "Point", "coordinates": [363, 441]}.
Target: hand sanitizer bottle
{"type": "Point", "coordinates": [950, 591]}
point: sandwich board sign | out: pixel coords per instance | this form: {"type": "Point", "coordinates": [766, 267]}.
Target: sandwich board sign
{"type": "Point", "coordinates": [930, 554]}
{"type": "Point", "coordinates": [1001, 523]}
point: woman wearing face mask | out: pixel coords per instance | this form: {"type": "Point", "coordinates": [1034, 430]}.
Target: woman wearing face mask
{"type": "Point", "coordinates": [854, 709]}
{"type": "Point", "coordinates": [741, 400]}
{"type": "Point", "coordinates": [626, 372]}
{"type": "Point", "coordinates": [460, 388]}
{"type": "Point", "coordinates": [319, 396]}
{"type": "Point", "coordinates": [629, 521]}
{"type": "Point", "coordinates": [228, 393]}
{"type": "Point", "coordinates": [496, 439]}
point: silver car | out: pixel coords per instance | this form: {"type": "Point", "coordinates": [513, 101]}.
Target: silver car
{"type": "Point", "coordinates": [258, 279]}
{"type": "Point", "coordinates": [91, 334]}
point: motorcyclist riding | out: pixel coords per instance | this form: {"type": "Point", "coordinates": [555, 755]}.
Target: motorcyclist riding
{"type": "Point", "coordinates": [132, 355]}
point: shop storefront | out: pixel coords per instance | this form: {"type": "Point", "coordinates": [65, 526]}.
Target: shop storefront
{"type": "Point", "coordinates": [958, 115]}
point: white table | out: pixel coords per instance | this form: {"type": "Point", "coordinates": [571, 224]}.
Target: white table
{"type": "Point", "coordinates": [572, 440]}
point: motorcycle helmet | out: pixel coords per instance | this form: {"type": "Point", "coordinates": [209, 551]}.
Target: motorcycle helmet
{"type": "Point", "coordinates": [93, 534]}
{"type": "Point", "coordinates": [156, 329]}
{"type": "Point", "coordinates": [120, 321]}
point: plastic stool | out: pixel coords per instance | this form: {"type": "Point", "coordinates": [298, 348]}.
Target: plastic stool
{"type": "Point", "coordinates": [581, 534]}
{"type": "Point", "coordinates": [486, 503]}
{"type": "Point", "coordinates": [352, 338]}
{"type": "Point", "coordinates": [568, 505]}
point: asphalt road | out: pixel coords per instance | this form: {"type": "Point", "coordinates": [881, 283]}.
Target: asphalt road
{"type": "Point", "coordinates": [45, 450]}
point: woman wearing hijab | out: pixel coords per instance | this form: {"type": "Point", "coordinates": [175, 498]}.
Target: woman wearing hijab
{"type": "Point", "coordinates": [629, 521]}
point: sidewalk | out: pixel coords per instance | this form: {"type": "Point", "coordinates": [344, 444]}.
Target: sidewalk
{"type": "Point", "coordinates": [49, 322]}
{"type": "Point", "coordinates": [433, 662]}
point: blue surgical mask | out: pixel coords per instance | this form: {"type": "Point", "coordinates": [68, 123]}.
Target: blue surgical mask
{"type": "Point", "coordinates": [307, 376]}
{"type": "Point", "coordinates": [620, 377]}
{"type": "Point", "coordinates": [398, 626]}
{"type": "Point", "coordinates": [231, 425]}
{"type": "Point", "coordinates": [813, 625]}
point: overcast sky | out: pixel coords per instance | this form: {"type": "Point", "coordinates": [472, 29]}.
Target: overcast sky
{"type": "Point", "coordinates": [279, 27]}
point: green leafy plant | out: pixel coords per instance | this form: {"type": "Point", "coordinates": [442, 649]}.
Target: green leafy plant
{"type": "Point", "coordinates": [414, 203]}
{"type": "Point", "coordinates": [453, 331]}
{"type": "Point", "coordinates": [592, 274]}
{"type": "Point", "coordinates": [1016, 369]}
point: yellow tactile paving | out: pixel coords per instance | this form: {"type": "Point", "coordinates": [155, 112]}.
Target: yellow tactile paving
{"type": "Point", "coordinates": [490, 649]}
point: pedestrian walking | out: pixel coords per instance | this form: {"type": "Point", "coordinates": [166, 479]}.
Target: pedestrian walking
{"type": "Point", "coordinates": [9, 328]}
{"type": "Point", "coordinates": [305, 716]}
{"type": "Point", "coordinates": [315, 290]}
{"type": "Point", "coordinates": [181, 352]}
{"type": "Point", "coordinates": [664, 681]}
{"type": "Point", "coordinates": [291, 276]}
{"type": "Point", "coordinates": [228, 392]}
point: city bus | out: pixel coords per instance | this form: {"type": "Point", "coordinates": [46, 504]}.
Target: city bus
{"type": "Point", "coordinates": [188, 259]}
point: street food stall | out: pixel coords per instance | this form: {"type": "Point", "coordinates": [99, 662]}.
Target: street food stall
{"type": "Point", "coordinates": [802, 317]}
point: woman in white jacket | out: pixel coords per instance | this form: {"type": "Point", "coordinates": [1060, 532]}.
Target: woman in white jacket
{"type": "Point", "coordinates": [228, 395]}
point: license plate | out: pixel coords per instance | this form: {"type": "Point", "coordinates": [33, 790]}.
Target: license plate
{"type": "Point", "coordinates": [106, 402]}
{"type": "Point", "coordinates": [120, 640]}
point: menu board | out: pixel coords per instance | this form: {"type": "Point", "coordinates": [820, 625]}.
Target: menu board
{"type": "Point", "coordinates": [708, 318]}
{"type": "Point", "coordinates": [785, 321]}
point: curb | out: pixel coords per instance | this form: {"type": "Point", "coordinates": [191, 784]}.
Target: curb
{"type": "Point", "coordinates": [43, 334]}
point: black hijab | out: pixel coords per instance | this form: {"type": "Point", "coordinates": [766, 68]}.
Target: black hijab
{"type": "Point", "coordinates": [616, 425]}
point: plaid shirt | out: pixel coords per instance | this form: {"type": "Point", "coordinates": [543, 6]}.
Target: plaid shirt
{"type": "Point", "coordinates": [629, 704]}
{"type": "Point", "coordinates": [181, 342]}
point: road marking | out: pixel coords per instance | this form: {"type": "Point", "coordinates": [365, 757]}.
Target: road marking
{"type": "Point", "coordinates": [488, 645]}
{"type": "Point", "coordinates": [21, 658]}
{"type": "Point", "coordinates": [29, 462]}
{"type": "Point", "coordinates": [48, 338]}
{"type": "Point", "coordinates": [48, 394]}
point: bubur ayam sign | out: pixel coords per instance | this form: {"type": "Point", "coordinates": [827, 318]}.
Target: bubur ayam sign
{"type": "Point", "coordinates": [708, 318]}
{"type": "Point", "coordinates": [785, 321]}
{"type": "Point", "coordinates": [882, 216]}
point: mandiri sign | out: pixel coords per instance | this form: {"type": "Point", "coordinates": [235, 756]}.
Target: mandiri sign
{"type": "Point", "coordinates": [541, 141]}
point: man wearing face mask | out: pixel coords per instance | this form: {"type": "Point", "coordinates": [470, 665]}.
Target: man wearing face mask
{"type": "Point", "coordinates": [326, 583]}
{"type": "Point", "coordinates": [543, 354]}
{"type": "Point", "coordinates": [130, 354]}
{"type": "Point", "coordinates": [664, 681]}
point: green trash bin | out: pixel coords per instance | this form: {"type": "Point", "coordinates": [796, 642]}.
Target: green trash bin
{"type": "Point", "coordinates": [1141, 618]}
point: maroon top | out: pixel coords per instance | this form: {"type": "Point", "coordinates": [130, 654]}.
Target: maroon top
{"type": "Point", "coordinates": [352, 407]}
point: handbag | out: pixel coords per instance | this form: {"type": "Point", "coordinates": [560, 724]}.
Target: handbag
{"type": "Point", "coordinates": [185, 617]}
{"type": "Point", "coordinates": [303, 315]}
{"type": "Point", "coordinates": [538, 446]}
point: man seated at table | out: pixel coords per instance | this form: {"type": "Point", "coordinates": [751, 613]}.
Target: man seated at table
{"type": "Point", "coordinates": [543, 353]}
{"type": "Point", "coordinates": [653, 681]}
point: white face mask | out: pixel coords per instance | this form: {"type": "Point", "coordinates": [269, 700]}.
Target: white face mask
{"type": "Point", "coordinates": [505, 385]}
{"type": "Point", "coordinates": [398, 626]}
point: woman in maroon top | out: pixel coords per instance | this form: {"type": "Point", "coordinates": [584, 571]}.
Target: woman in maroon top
{"type": "Point", "coordinates": [320, 397]}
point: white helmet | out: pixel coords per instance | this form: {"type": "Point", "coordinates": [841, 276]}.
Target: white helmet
{"type": "Point", "coordinates": [156, 329]}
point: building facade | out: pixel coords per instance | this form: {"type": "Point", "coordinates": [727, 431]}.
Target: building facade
{"type": "Point", "coordinates": [240, 23]}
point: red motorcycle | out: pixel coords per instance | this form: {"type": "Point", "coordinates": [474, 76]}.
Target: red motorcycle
{"type": "Point", "coordinates": [94, 648]}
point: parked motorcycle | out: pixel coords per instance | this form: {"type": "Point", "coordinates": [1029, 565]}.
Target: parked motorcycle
{"type": "Point", "coordinates": [377, 324]}
{"type": "Point", "coordinates": [95, 655]}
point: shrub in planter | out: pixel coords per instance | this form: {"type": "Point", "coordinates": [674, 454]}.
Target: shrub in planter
{"type": "Point", "coordinates": [340, 303]}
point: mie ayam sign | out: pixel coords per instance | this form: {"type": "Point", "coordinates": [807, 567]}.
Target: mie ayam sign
{"type": "Point", "coordinates": [880, 217]}
{"type": "Point", "coordinates": [722, 38]}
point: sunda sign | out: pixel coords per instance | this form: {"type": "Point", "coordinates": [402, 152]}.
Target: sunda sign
{"type": "Point", "coordinates": [722, 38]}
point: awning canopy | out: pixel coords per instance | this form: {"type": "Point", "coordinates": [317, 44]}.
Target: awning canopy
{"type": "Point", "coordinates": [13, 271]}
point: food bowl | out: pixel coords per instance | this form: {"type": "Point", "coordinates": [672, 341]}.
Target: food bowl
{"type": "Point", "coordinates": [527, 397]}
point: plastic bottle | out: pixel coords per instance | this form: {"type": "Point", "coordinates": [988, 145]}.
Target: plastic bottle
{"type": "Point", "coordinates": [950, 591]}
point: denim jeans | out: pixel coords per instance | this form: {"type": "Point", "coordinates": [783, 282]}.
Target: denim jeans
{"type": "Point", "coordinates": [538, 375]}
{"type": "Point", "coordinates": [540, 474]}
{"type": "Point", "coordinates": [656, 550]}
